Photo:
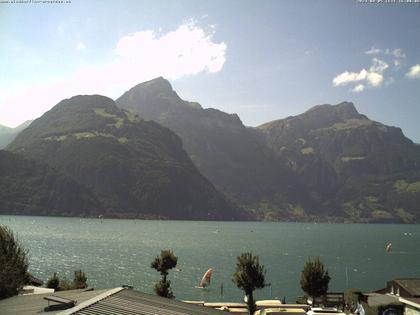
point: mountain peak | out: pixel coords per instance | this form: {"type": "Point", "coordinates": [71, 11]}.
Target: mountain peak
{"type": "Point", "coordinates": [347, 108]}
{"type": "Point", "coordinates": [342, 111]}
{"type": "Point", "coordinates": [157, 86]}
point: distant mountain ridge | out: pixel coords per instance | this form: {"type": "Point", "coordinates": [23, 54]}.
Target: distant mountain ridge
{"type": "Point", "coordinates": [7, 134]}
{"type": "Point", "coordinates": [134, 168]}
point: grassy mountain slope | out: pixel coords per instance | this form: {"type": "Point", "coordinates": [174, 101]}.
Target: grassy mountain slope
{"type": "Point", "coordinates": [133, 167]}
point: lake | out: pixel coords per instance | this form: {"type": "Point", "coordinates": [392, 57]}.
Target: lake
{"type": "Point", "coordinates": [117, 252]}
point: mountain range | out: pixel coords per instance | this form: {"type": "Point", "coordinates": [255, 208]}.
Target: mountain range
{"type": "Point", "coordinates": [152, 154]}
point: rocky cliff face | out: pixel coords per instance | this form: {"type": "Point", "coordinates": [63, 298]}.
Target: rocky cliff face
{"type": "Point", "coordinates": [134, 168]}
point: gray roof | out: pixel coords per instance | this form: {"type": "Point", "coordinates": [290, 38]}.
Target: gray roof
{"type": "Point", "coordinates": [34, 304]}
{"type": "Point", "coordinates": [118, 301]}
{"type": "Point", "coordinates": [130, 302]}
{"type": "Point", "coordinates": [412, 285]}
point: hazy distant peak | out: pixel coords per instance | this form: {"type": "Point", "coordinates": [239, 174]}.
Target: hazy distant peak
{"type": "Point", "coordinates": [156, 87]}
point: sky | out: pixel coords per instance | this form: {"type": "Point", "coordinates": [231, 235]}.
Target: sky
{"type": "Point", "coordinates": [264, 60]}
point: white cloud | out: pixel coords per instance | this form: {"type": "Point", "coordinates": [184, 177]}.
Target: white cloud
{"type": "Point", "coordinates": [138, 57]}
{"type": "Point", "coordinates": [186, 51]}
{"type": "Point", "coordinates": [80, 46]}
{"type": "Point", "coordinates": [373, 77]}
{"type": "Point", "coordinates": [378, 65]}
{"type": "Point", "coordinates": [373, 51]}
{"type": "Point", "coordinates": [414, 72]}
{"type": "Point", "coordinates": [396, 55]}
{"type": "Point", "coordinates": [359, 88]}
{"type": "Point", "coordinates": [397, 52]}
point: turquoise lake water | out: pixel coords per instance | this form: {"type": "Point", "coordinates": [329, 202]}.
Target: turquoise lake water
{"type": "Point", "coordinates": [117, 252]}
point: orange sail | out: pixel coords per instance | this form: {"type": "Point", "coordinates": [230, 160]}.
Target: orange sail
{"type": "Point", "coordinates": [205, 281]}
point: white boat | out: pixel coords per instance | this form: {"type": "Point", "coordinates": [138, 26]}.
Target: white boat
{"type": "Point", "coordinates": [324, 311]}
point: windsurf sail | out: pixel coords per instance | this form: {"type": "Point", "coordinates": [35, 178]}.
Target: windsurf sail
{"type": "Point", "coordinates": [388, 247]}
{"type": "Point", "coordinates": [205, 281]}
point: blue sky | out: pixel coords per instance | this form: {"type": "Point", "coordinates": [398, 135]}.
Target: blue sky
{"type": "Point", "coordinates": [263, 60]}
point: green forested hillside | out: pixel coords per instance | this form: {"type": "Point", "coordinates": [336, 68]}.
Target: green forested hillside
{"type": "Point", "coordinates": [30, 187]}
{"type": "Point", "coordinates": [133, 167]}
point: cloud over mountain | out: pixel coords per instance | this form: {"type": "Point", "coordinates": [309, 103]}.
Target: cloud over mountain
{"type": "Point", "coordinates": [137, 57]}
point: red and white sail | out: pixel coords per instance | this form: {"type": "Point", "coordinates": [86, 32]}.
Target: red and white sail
{"type": "Point", "coordinates": [205, 281]}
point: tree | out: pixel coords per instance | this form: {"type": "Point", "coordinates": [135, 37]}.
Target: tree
{"type": "Point", "coordinates": [314, 279]}
{"type": "Point", "coordinates": [13, 262]}
{"type": "Point", "coordinates": [53, 282]}
{"type": "Point", "coordinates": [80, 280]}
{"type": "Point", "coordinates": [166, 261]}
{"type": "Point", "coordinates": [249, 276]}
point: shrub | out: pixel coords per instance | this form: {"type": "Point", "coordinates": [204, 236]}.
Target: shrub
{"type": "Point", "coordinates": [80, 280]}
{"type": "Point", "coordinates": [13, 262]}
{"type": "Point", "coordinates": [53, 282]}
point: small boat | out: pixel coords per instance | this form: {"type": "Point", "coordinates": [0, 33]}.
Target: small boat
{"type": "Point", "coordinates": [205, 281]}
{"type": "Point", "coordinates": [388, 247]}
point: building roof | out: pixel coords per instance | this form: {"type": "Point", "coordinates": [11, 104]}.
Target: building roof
{"type": "Point", "coordinates": [112, 301]}
{"type": "Point", "coordinates": [131, 302]}
{"type": "Point", "coordinates": [34, 304]}
{"type": "Point", "coordinates": [411, 285]}
{"type": "Point", "coordinates": [411, 301]}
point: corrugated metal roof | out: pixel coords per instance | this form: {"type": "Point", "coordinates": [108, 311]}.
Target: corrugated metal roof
{"type": "Point", "coordinates": [35, 304]}
{"type": "Point", "coordinates": [130, 302]}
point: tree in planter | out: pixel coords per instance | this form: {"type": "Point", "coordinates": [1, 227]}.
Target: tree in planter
{"type": "Point", "coordinates": [13, 262]}
{"type": "Point", "coordinates": [314, 279]}
{"type": "Point", "coordinates": [166, 261]}
{"type": "Point", "coordinates": [249, 276]}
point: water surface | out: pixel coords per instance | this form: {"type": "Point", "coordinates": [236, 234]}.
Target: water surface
{"type": "Point", "coordinates": [116, 252]}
